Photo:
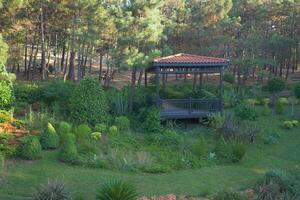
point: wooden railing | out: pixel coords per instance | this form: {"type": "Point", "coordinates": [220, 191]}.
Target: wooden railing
{"type": "Point", "coordinates": [190, 105]}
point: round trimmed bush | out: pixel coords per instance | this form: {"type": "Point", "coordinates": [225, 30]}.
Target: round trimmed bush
{"type": "Point", "coordinates": [49, 139]}
{"type": "Point", "coordinates": [88, 103]}
{"type": "Point", "coordinates": [30, 148]}
{"type": "Point", "coordinates": [116, 190]}
{"type": "Point", "coordinates": [122, 123]}
{"type": "Point", "coordinates": [102, 128]}
{"type": "Point", "coordinates": [113, 130]}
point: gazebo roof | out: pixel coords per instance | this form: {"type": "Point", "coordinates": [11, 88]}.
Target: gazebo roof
{"type": "Point", "coordinates": [186, 59]}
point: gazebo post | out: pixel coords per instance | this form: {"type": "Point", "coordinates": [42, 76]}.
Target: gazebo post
{"type": "Point", "coordinates": [157, 86]}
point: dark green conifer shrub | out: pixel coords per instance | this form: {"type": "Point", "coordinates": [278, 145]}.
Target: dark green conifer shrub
{"type": "Point", "coordinates": [68, 150]}
{"type": "Point", "coordinates": [83, 139]}
{"type": "Point", "coordinates": [88, 103]}
{"type": "Point", "coordinates": [30, 148]}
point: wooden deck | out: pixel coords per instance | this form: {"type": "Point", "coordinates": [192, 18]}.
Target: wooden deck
{"type": "Point", "coordinates": [188, 108]}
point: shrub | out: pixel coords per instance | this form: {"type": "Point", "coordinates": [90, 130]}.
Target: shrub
{"type": "Point", "coordinates": [53, 190]}
{"type": "Point", "coordinates": [102, 128]}
{"type": "Point", "coordinates": [228, 195]}
{"type": "Point", "coordinates": [297, 91]}
{"type": "Point", "coordinates": [151, 120]}
{"type": "Point", "coordinates": [83, 138]}
{"type": "Point", "coordinates": [201, 148]}
{"type": "Point", "coordinates": [229, 78]}
{"type": "Point", "coordinates": [279, 108]}
{"type": "Point", "coordinates": [238, 151]}
{"type": "Point", "coordinates": [7, 96]}
{"type": "Point", "coordinates": [116, 190]}
{"type": "Point", "coordinates": [288, 124]}
{"type": "Point", "coordinates": [122, 123]}
{"type": "Point", "coordinates": [68, 149]}
{"type": "Point", "coordinates": [96, 136]}
{"type": "Point", "coordinates": [245, 112]}
{"type": "Point", "coordinates": [113, 130]}
{"type": "Point", "coordinates": [6, 149]}
{"type": "Point", "coordinates": [49, 139]}
{"type": "Point", "coordinates": [88, 103]}
{"type": "Point", "coordinates": [276, 85]}
{"type": "Point", "coordinates": [30, 147]}
{"type": "Point", "coordinates": [223, 151]}
{"type": "Point", "coordinates": [216, 120]}
{"type": "Point", "coordinates": [265, 110]}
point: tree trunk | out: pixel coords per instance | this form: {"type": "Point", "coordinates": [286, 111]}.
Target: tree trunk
{"type": "Point", "coordinates": [79, 72]}
{"type": "Point", "coordinates": [71, 75]}
{"type": "Point", "coordinates": [25, 56]}
{"type": "Point", "coordinates": [43, 77]}
{"type": "Point", "coordinates": [132, 89]}
{"type": "Point", "coordinates": [63, 58]}
{"type": "Point", "coordinates": [100, 67]}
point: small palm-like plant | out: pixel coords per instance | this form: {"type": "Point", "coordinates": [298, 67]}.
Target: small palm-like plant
{"type": "Point", "coordinates": [53, 190]}
{"type": "Point", "coordinates": [116, 190]}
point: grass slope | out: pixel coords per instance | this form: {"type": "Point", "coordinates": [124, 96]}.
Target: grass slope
{"type": "Point", "coordinates": [21, 177]}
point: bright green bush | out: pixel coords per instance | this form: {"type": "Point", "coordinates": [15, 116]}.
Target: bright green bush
{"type": "Point", "coordinates": [102, 128]}
{"type": "Point", "coordinates": [88, 103]}
{"type": "Point", "coordinates": [122, 123]}
{"type": "Point", "coordinates": [49, 139]}
{"type": "Point", "coordinates": [201, 148]}
{"type": "Point", "coordinates": [68, 150]}
{"type": "Point", "coordinates": [53, 190]}
{"type": "Point", "coordinates": [113, 130]}
{"type": "Point", "coordinates": [150, 119]}
{"type": "Point", "coordinates": [279, 108]}
{"type": "Point", "coordinates": [228, 195]}
{"type": "Point", "coordinates": [96, 136]}
{"type": "Point", "coordinates": [64, 128]}
{"type": "Point", "coordinates": [290, 124]}
{"type": "Point", "coordinates": [116, 190]}
{"type": "Point", "coordinates": [83, 139]}
{"type": "Point", "coordinates": [238, 151]}
{"type": "Point", "coordinates": [246, 112]}
{"type": "Point", "coordinates": [30, 148]}
{"type": "Point", "coordinates": [7, 96]}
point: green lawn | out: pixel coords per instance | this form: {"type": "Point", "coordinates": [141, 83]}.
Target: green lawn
{"type": "Point", "coordinates": [21, 177]}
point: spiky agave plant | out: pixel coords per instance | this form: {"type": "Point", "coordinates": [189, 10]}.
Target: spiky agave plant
{"type": "Point", "coordinates": [116, 190]}
{"type": "Point", "coordinates": [53, 190]}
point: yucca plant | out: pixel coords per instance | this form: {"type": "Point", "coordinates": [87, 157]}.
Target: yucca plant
{"type": "Point", "coordinates": [53, 190]}
{"type": "Point", "coordinates": [116, 190]}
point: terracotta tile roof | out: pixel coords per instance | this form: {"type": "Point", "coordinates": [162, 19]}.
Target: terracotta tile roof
{"type": "Point", "coordinates": [188, 58]}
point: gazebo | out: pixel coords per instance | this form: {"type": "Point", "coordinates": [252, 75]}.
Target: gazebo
{"type": "Point", "coordinates": [185, 64]}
